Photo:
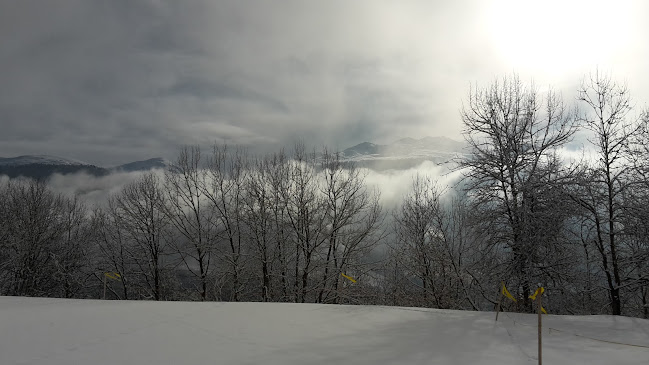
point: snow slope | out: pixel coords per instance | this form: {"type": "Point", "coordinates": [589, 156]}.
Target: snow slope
{"type": "Point", "coordinates": [58, 331]}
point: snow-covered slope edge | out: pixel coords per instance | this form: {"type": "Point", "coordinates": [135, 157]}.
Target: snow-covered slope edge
{"type": "Point", "coordinates": [41, 331]}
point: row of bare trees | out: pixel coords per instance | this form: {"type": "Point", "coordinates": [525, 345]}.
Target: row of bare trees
{"type": "Point", "coordinates": [232, 227]}
{"type": "Point", "coordinates": [225, 225]}
{"type": "Point", "coordinates": [43, 242]}
{"type": "Point", "coordinates": [576, 226]}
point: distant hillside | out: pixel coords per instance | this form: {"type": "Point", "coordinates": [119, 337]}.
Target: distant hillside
{"type": "Point", "coordinates": [146, 165]}
{"type": "Point", "coordinates": [362, 149]}
{"type": "Point", "coordinates": [39, 171]}
{"type": "Point", "coordinates": [41, 160]}
{"type": "Point", "coordinates": [44, 166]}
{"type": "Point", "coordinates": [405, 153]}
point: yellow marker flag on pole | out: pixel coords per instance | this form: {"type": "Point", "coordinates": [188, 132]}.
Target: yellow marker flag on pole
{"type": "Point", "coordinates": [537, 292]}
{"type": "Point", "coordinates": [113, 275]}
{"type": "Point", "coordinates": [348, 277]}
{"type": "Point", "coordinates": [507, 294]}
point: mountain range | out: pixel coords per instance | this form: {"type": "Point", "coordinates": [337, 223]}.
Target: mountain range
{"type": "Point", "coordinates": [43, 166]}
{"type": "Point", "coordinates": [402, 154]}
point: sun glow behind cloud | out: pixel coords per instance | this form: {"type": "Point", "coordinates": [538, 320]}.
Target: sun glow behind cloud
{"type": "Point", "coordinates": [556, 38]}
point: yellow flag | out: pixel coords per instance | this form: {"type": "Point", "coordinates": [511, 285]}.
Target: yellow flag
{"type": "Point", "coordinates": [113, 275]}
{"type": "Point", "coordinates": [348, 277]}
{"type": "Point", "coordinates": [507, 294]}
{"type": "Point", "coordinates": [537, 292]}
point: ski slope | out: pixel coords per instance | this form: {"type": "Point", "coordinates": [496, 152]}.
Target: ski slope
{"type": "Point", "coordinates": [49, 331]}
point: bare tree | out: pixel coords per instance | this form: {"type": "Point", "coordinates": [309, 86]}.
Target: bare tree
{"type": "Point", "coordinates": [608, 105]}
{"type": "Point", "coordinates": [353, 217]}
{"type": "Point", "coordinates": [418, 238]}
{"type": "Point", "coordinates": [259, 218]}
{"type": "Point", "coordinates": [33, 233]}
{"type": "Point", "coordinates": [636, 220]}
{"type": "Point", "coordinates": [278, 176]}
{"type": "Point", "coordinates": [113, 251]}
{"type": "Point", "coordinates": [305, 210]}
{"type": "Point", "coordinates": [190, 212]}
{"type": "Point", "coordinates": [225, 189]}
{"type": "Point", "coordinates": [73, 260]}
{"type": "Point", "coordinates": [465, 253]}
{"type": "Point", "coordinates": [512, 133]}
{"type": "Point", "coordinates": [5, 215]}
{"type": "Point", "coordinates": [140, 208]}
{"type": "Point", "coordinates": [44, 242]}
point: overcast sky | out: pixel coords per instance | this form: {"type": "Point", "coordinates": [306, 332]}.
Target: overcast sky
{"type": "Point", "coordinates": [113, 81]}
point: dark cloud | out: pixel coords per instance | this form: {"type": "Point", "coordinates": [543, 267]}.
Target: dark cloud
{"type": "Point", "coordinates": [114, 81]}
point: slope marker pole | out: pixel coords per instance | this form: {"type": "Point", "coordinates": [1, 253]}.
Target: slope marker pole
{"type": "Point", "coordinates": [502, 290]}
{"type": "Point", "coordinates": [539, 312]}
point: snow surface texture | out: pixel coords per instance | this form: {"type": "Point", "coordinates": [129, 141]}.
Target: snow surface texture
{"type": "Point", "coordinates": [67, 332]}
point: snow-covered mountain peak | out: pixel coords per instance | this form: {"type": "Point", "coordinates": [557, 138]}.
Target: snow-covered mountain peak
{"type": "Point", "coordinates": [40, 160]}
{"type": "Point", "coordinates": [362, 149]}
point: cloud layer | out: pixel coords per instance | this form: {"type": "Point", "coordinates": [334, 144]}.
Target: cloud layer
{"type": "Point", "coordinates": [110, 82]}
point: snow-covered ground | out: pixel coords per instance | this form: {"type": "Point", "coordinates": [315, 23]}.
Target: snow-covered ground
{"type": "Point", "coordinates": [67, 332]}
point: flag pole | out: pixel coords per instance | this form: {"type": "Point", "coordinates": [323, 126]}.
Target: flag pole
{"type": "Point", "coordinates": [540, 332]}
{"type": "Point", "coordinates": [502, 294]}
{"type": "Point", "coordinates": [105, 278]}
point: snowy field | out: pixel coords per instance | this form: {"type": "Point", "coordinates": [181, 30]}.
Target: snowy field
{"type": "Point", "coordinates": [68, 332]}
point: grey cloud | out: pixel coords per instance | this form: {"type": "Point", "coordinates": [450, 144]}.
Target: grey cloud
{"type": "Point", "coordinates": [114, 81]}
{"type": "Point", "coordinates": [207, 90]}
{"type": "Point", "coordinates": [94, 191]}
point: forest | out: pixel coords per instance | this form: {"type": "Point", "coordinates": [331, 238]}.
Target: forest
{"type": "Point", "coordinates": [304, 226]}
